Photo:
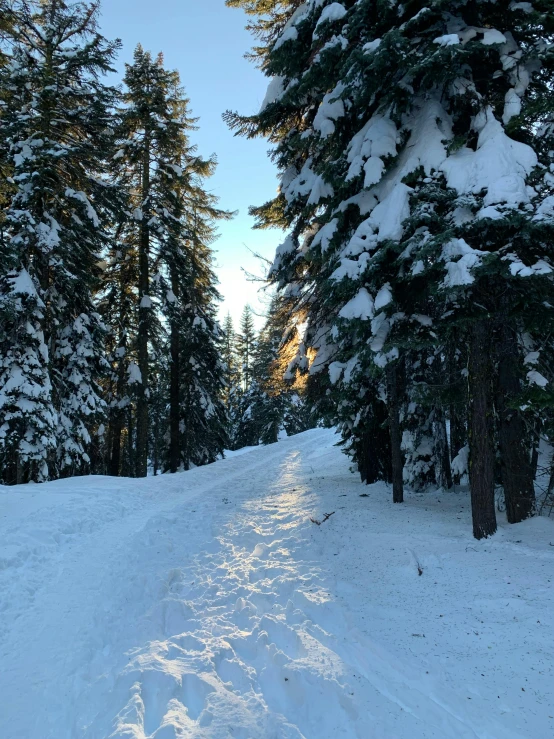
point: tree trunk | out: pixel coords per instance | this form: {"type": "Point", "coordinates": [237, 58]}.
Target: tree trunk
{"type": "Point", "coordinates": [445, 471]}
{"type": "Point", "coordinates": [515, 454]}
{"type": "Point", "coordinates": [536, 446]}
{"type": "Point", "coordinates": [115, 456]}
{"type": "Point", "coordinates": [393, 401]}
{"type": "Point", "coordinates": [174, 386]}
{"type": "Point", "coordinates": [481, 440]}
{"type": "Point", "coordinates": [374, 449]}
{"type": "Point", "coordinates": [117, 422]}
{"type": "Point", "coordinates": [130, 443]}
{"type": "Point", "coordinates": [141, 460]}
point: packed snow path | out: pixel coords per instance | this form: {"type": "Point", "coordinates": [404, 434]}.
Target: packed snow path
{"type": "Point", "coordinates": [207, 605]}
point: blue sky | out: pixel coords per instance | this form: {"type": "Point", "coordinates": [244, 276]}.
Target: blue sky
{"type": "Point", "coordinates": [206, 42]}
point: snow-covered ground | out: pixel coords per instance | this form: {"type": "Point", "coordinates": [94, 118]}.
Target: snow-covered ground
{"type": "Point", "coordinates": [207, 605]}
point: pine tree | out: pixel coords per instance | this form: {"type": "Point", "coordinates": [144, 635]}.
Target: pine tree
{"type": "Point", "coordinates": [117, 306]}
{"type": "Point", "coordinates": [163, 289]}
{"type": "Point", "coordinates": [198, 422]}
{"type": "Point", "coordinates": [57, 127]}
{"type": "Point", "coordinates": [274, 402]}
{"type": "Point", "coordinates": [145, 138]}
{"type": "Point", "coordinates": [413, 145]}
{"type": "Point", "coordinates": [230, 359]}
{"type": "Point", "coordinates": [245, 347]}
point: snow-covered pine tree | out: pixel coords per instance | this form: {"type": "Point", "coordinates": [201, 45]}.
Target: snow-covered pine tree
{"type": "Point", "coordinates": [144, 139]}
{"type": "Point", "coordinates": [117, 306]}
{"type": "Point", "coordinates": [198, 423]}
{"type": "Point", "coordinates": [414, 146]}
{"type": "Point", "coordinates": [232, 375]}
{"type": "Point", "coordinates": [6, 165]}
{"type": "Point", "coordinates": [57, 126]}
{"type": "Point", "coordinates": [189, 296]}
{"type": "Point", "coordinates": [163, 294]}
{"type": "Point", "coordinates": [243, 421]}
{"type": "Point", "coordinates": [246, 346]}
{"type": "Point", "coordinates": [275, 400]}
{"type": "Point", "coordinates": [269, 392]}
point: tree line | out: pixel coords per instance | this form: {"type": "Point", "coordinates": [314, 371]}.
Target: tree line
{"type": "Point", "coordinates": [415, 145]}
{"type": "Point", "coordinates": [265, 401]}
{"type": "Point", "coordinates": [111, 357]}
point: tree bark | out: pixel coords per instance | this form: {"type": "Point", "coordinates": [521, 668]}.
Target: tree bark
{"type": "Point", "coordinates": [374, 449]}
{"type": "Point", "coordinates": [445, 470]}
{"type": "Point", "coordinates": [393, 401]}
{"type": "Point", "coordinates": [515, 453]}
{"type": "Point", "coordinates": [141, 460]}
{"type": "Point", "coordinates": [174, 387]}
{"type": "Point", "coordinates": [456, 410]}
{"type": "Point", "coordinates": [130, 443]}
{"type": "Point", "coordinates": [115, 456]}
{"type": "Point", "coordinates": [118, 415]}
{"type": "Point", "coordinates": [481, 438]}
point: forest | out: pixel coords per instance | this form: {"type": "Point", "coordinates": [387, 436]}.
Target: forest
{"type": "Point", "coordinates": [411, 301]}
{"type": "Point", "coordinates": [277, 421]}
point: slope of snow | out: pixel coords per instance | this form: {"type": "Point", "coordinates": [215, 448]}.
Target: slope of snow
{"type": "Point", "coordinates": [207, 605]}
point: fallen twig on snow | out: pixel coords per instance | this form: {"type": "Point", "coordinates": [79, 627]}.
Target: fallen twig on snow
{"type": "Point", "coordinates": [326, 517]}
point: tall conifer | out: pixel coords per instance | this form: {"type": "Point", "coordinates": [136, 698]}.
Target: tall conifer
{"type": "Point", "coordinates": [58, 128]}
{"type": "Point", "coordinates": [413, 144]}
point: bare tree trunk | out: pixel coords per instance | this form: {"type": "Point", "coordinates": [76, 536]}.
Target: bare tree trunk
{"type": "Point", "coordinates": [115, 456]}
{"type": "Point", "coordinates": [117, 422]}
{"type": "Point", "coordinates": [130, 443]}
{"type": "Point", "coordinates": [515, 453]}
{"type": "Point", "coordinates": [141, 459]}
{"type": "Point", "coordinates": [481, 438]}
{"type": "Point", "coordinates": [445, 471]}
{"type": "Point", "coordinates": [174, 388]}
{"type": "Point", "coordinates": [456, 410]}
{"type": "Point", "coordinates": [395, 433]}
{"type": "Point", "coordinates": [374, 448]}
{"type": "Point", "coordinates": [20, 471]}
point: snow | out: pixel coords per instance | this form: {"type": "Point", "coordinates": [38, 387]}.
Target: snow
{"type": "Point", "coordinates": [372, 46]}
{"type": "Point", "coordinates": [383, 297]}
{"type": "Point", "coordinates": [361, 306]}
{"type": "Point", "coordinates": [146, 302]}
{"type": "Point", "coordinates": [449, 39]}
{"type": "Point", "coordinates": [22, 284]}
{"type": "Point", "coordinates": [335, 371]}
{"type": "Point", "coordinates": [325, 234]}
{"type": "Point", "coordinates": [207, 605]}
{"type": "Point", "coordinates": [500, 165]}
{"type": "Point", "coordinates": [377, 139]}
{"type": "Point", "coordinates": [526, 6]}
{"type": "Point", "coordinates": [275, 90]}
{"type": "Point", "coordinates": [492, 36]}
{"type": "Point", "coordinates": [330, 110]}
{"type": "Point", "coordinates": [535, 378]}
{"type": "Point", "coordinates": [532, 358]}
{"type": "Point", "coordinates": [290, 34]}
{"type": "Point", "coordinates": [296, 184]}
{"type": "Point", "coordinates": [135, 375]}
{"type": "Point", "coordinates": [332, 12]}
{"type": "Point", "coordinates": [459, 272]}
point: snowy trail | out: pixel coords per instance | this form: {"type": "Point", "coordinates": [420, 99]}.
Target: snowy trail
{"type": "Point", "coordinates": [208, 606]}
